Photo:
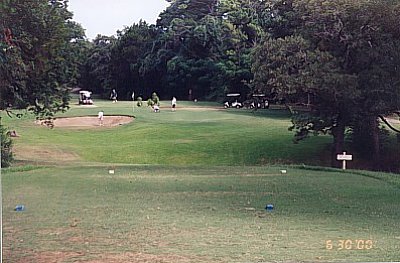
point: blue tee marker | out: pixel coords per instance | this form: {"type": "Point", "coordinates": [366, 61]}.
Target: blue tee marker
{"type": "Point", "coordinates": [19, 208]}
{"type": "Point", "coordinates": [269, 207]}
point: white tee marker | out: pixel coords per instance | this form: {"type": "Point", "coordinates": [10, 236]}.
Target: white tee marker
{"type": "Point", "coordinates": [344, 157]}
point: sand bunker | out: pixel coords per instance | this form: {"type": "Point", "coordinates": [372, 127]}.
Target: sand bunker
{"type": "Point", "coordinates": [92, 121]}
{"type": "Point", "coordinates": [393, 121]}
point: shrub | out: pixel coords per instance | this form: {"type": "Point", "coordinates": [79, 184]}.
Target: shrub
{"type": "Point", "coordinates": [139, 101]}
{"type": "Point", "coordinates": [155, 98]}
{"type": "Point", "coordinates": [6, 147]}
{"type": "Point", "coordinates": [150, 102]}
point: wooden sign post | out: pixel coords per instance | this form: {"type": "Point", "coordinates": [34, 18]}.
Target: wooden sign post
{"type": "Point", "coordinates": [344, 157]}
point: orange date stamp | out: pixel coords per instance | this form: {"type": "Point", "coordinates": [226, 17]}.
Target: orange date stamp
{"type": "Point", "coordinates": [349, 244]}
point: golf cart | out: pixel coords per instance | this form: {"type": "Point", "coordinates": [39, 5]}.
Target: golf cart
{"type": "Point", "coordinates": [232, 101]}
{"type": "Point", "coordinates": [85, 97]}
{"type": "Point", "coordinates": [259, 102]}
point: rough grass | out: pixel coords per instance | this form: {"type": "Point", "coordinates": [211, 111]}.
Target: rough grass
{"type": "Point", "coordinates": [198, 214]}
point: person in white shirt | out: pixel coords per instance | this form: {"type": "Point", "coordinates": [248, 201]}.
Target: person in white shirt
{"type": "Point", "coordinates": [100, 116]}
{"type": "Point", "coordinates": [173, 103]}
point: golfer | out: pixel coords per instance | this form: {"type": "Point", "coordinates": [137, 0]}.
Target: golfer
{"type": "Point", "coordinates": [113, 96]}
{"type": "Point", "coordinates": [100, 116]}
{"type": "Point", "coordinates": [173, 103]}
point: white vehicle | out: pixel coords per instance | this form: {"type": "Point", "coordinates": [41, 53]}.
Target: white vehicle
{"type": "Point", "coordinates": [236, 104]}
{"type": "Point", "coordinates": [85, 97]}
{"type": "Point", "coordinates": [260, 101]}
{"type": "Point", "coordinates": [232, 101]}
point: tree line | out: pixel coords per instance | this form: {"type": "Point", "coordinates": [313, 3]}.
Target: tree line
{"type": "Point", "coordinates": [341, 58]}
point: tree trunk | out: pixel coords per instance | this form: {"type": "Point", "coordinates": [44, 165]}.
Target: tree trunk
{"type": "Point", "coordinates": [375, 142]}
{"type": "Point", "coordinates": [338, 143]}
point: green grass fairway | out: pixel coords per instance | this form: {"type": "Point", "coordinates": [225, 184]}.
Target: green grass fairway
{"type": "Point", "coordinates": [190, 186]}
{"type": "Point", "coordinates": [191, 136]}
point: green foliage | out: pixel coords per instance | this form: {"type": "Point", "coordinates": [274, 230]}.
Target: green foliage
{"type": "Point", "coordinates": [207, 46]}
{"type": "Point", "coordinates": [131, 59]}
{"type": "Point", "coordinates": [150, 103]}
{"type": "Point", "coordinates": [37, 68]}
{"type": "Point", "coordinates": [292, 70]}
{"type": "Point", "coordinates": [341, 55]}
{"type": "Point", "coordinates": [197, 47]}
{"type": "Point", "coordinates": [98, 70]}
{"type": "Point", "coordinates": [6, 147]}
{"type": "Point", "coordinates": [40, 54]}
{"type": "Point", "coordinates": [155, 99]}
{"type": "Point", "coordinates": [139, 102]}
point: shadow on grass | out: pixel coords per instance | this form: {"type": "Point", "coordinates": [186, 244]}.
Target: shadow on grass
{"type": "Point", "coordinates": [277, 114]}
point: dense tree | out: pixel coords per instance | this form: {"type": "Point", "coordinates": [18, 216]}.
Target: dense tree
{"type": "Point", "coordinates": [36, 66]}
{"type": "Point", "coordinates": [342, 53]}
{"type": "Point", "coordinates": [36, 73]}
{"type": "Point", "coordinates": [207, 45]}
{"type": "Point", "coordinates": [188, 40]}
{"type": "Point", "coordinates": [131, 56]}
{"type": "Point", "coordinates": [76, 53]}
{"type": "Point", "coordinates": [98, 72]}
{"type": "Point", "coordinates": [200, 46]}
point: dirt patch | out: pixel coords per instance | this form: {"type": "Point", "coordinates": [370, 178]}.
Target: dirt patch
{"type": "Point", "coordinates": [28, 153]}
{"type": "Point", "coordinates": [91, 121]}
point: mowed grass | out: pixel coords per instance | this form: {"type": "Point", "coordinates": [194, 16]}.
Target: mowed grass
{"type": "Point", "coordinates": [190, 186]}
{"type": "Point", "coordinates": [199, 214]}
{"type": "Point", "coordinates": [191, 136]}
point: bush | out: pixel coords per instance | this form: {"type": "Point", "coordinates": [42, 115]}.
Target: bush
{"type": "Point", "coordinates": [150, 102]}
{"type": "Point", "coordinates": [6, 147]}
{"type": "Point", "coordinates": [155, 98]}
{"type": "Point", "coordinates": [139, 101]}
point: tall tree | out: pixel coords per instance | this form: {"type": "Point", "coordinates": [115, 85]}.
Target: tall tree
{"type": "Point", "coordinates": [35, 69]}
{"type": "Point", "coordinates": [134, 44]}
{"type": "Point", "coordinates": [34, 75]}
{"type": "Point", "coordinates": [207, 45]}
{"type": "Point", "coordinates": [349, 65]}
{"type": "Point", "coordinates": [98, 74]}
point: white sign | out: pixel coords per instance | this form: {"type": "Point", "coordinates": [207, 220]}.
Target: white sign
{"type": "Point", "coordinates": [344, 157]}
